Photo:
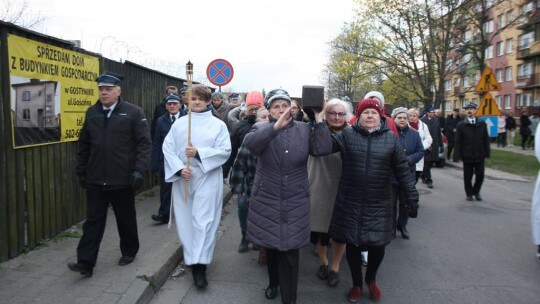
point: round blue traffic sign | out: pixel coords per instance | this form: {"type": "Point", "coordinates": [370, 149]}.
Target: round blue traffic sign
{"type": "Point", "coordinates": [220, 72]}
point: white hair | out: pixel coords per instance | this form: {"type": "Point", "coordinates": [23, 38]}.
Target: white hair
{"type": "Point", "coordinates": [346, 105]}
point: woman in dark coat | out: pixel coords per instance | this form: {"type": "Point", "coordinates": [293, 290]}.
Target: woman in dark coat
{"type": "Point", "coordinates": [363, 215]}
{"type": "Point", "coordinates": [278, 217]}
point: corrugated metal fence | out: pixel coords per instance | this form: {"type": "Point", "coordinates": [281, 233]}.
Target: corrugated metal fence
{"type": "Point", "coordinates": [39, 192]}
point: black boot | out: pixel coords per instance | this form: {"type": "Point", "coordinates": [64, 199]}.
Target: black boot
{"type": "Point", "coordinates": [199, 275]}
{"type": "Point", "coordinates": [243, 245]}
{"type": "Point", "coordinates": [404, 232]}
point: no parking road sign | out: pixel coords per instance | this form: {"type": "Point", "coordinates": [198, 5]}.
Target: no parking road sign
{"type": "Point", "coordinates": [220, 72]}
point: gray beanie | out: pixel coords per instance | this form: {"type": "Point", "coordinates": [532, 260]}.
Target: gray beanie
{"type": "Point", "coordinates": [399, 111]}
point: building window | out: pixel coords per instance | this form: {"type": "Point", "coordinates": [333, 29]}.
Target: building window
{"type": "Point", "coordinates": [489, 52]}
{"type": "Point", "coordinates": [466, 83]}
{"type": "Point", "coordinates": [457, 82]}
{"type": "Point", "coordinates": [524, 100]}
{"type": "Point", "coordinates": [500, 21]}
{"type": "Point", "coordinates": [26, 96]}
{"type": "Point", "coordinates": [509, 46]}
{"type": "Point", "coordinates": [447, 106]}
{"type": "Point", "coordinates": [498, 101]}
{"type": "Point", "coordinates": [499, 74]}
{"type": "Point", "coordinates": [448, 85]}
{"type": "Point", "coordinates": [26, 114]}
{"type": "Point", "coordinates": [508, 74]}
{"type": "Point", "coordinates": [49, 98]}
{"type": "Point", "coordinates": [507, 101]}
{"type": "Point", "coordinates": [510, 16]}
{"type": "Point", "coordinates": [526, 40]}
{"type": "Point", "coordinates": [524, 70]}
{"type": "Point", "coordinates": [488, 26]}
{"type": "Point", "coordinates": [500, 48]}
{"type": "Point", "coordinates": [526, 8]}
{"type": "Point", "coordinates": [464, 102]}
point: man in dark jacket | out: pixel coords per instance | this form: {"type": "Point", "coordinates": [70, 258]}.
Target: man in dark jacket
{"type": "Point", "coordinates": [472, 146]}
{"type": "Point", "coordinates": [163, 125]}
{"type": "Point", "coordinates": [113, 154]}
{"type": "Point", "coordinates": [510, 128]}
{"type": "Point", "coordinates": [432, 155]}
{"type": "Point", "coordinates": [161, 109]}
{"type": "Point", "coordinates": [450, 130]}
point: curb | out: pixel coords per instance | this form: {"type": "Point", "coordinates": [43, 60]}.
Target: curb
{"type": "Point", "coordinates": [150, 281]}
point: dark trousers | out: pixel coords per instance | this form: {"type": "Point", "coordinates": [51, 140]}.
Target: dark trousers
{"type": "Point", "coordinates": [164, 196]}
{"type": "Point", "coordinates": [530, 142]}
{"type": "Point", "coordinates": [243, 206]}
{"type": "Point", "coordinates": [283, 272]}
{"type": "Point", "coordinates": [399, 200]}
{"type": "Point", "coordinates": [470, 168]}
{"type": "Point", "coordinates": [524, 139]}
{"type": "Point", "coordinates": [123, 203]}
{"type": "Point", "coordinates": [451, 144]}
{"type": "Point", "coordinates": [427, 170]}
{"type": "Point", "coordinates": [501, 139]}
{"type": "Point", "coordinates": [375, 258]}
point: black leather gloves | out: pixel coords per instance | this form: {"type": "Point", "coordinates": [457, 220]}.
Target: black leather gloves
{"type": "Point", "coordinates": [137, 179]}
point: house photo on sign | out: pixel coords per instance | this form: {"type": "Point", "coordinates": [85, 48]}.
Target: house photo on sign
{"type": "Point", "coordinates": [50, 88]}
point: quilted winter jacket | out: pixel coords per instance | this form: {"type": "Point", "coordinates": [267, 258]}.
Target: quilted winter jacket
{"type": "Point", "coordinates": [279, 206]}
{"type": "Point", "coordinates": [363, 213]}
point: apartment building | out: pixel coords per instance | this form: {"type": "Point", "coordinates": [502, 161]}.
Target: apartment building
{"type": "Point", "coordinates": [513, 54]}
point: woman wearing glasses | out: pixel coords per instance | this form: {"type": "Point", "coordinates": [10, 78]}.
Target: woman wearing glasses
{"type": "Point", "coordinates": [324, 174]}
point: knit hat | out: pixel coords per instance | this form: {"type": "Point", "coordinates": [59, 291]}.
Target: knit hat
{"type": "Point", "coordinates": [377, 94]}
{"type": "Point", "coordinates": [369, 103]}
{"type": "Point", "coordinates": [277, 94]}
{"type": "Point", "coordinates": [217, 95]}
{"type": "Point", "coordinates": [399, 111]}
{"type": "Point", "coordinates": [254, 98]}
{"type": "Point", "coordinates": [173, 98]}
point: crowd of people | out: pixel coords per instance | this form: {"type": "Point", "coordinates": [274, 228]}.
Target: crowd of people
{"type": "Point", "coordinates": [341, 178]}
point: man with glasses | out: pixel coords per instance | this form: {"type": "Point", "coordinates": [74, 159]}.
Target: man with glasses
{"type": "Point", "coordinates": [163, 125]}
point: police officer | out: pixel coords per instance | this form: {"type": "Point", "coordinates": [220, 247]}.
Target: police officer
{"type": "Point", "coordinates": [113, 154]}
{"type": "Point", "coordinates": [472, 146]}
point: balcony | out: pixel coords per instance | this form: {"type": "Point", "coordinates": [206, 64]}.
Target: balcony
{"type": "Point", "coordinates": [528, 50]}
{"type": "Point", "coordinates": [528, 81]}
{"type": "Point", "coordinates": [458, 91]}
{"type": "Point", "coordinates": [461, 69]}
{"type": "Point", "coordinates": [529, 22]}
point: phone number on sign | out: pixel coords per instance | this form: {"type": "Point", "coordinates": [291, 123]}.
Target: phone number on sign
{"type": "Point", "coordinates": [73, 133]}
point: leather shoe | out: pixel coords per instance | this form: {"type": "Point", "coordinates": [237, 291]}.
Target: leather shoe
{"type": "Point", "coordinates": [160, 218]}
{"type": "Point", "coordinates": [355, 294]}
{"type": "Point", "coordinates": [430, 185]}
{"type": "Point", "coordinates": [200, 279]}
{"type": "Point", "coordinates": [322, 273]}
{"type": "Point", "coordinates": [84, 269]}
{"type": "Point", "coordinates": [478, 197]}
{"type": "Point", "coordinates": [270, 292]}
{"type": "Point", "coordinates": [469, 197]}
{"type": "Point", "coordinates": [333, 278]}
{"type": "Point", "coordinates": [125, 260]}
{"type": "Point", "coordinates": [404, 232]}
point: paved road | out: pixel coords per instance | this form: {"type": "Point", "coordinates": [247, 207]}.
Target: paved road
{"type": "Point", "coordinates": [459, 252]}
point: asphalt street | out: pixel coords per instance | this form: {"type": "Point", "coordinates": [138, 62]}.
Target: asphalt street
{"type": "Point", "coordinates": [459, 252]}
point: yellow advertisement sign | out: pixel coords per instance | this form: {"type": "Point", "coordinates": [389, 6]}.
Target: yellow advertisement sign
{"type": "Point", "coordinates": [51, 89]}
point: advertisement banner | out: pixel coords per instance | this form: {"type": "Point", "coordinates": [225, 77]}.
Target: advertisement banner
{"type": "Point", "coordinates": [51, 89]}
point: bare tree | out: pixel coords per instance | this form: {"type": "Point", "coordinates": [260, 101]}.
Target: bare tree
{"type": "Point", "coordinates": [20, 13]}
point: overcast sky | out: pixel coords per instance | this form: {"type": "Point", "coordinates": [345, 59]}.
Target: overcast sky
{"type": "Point", "coordinates": [270, 43]}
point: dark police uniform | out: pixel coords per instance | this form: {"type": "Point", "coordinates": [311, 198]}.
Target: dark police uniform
{"type": "Point", "coordinates": [113, 154]}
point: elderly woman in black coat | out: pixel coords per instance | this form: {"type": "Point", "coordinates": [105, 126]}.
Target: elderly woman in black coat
{"type": "Point", "coordinates": [363, 215]}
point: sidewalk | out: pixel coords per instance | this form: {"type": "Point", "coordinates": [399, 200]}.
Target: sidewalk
{"type": "Point", "coordinates": [42, 276]}
{"type": "Point", "coordinates": [497, 174]}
